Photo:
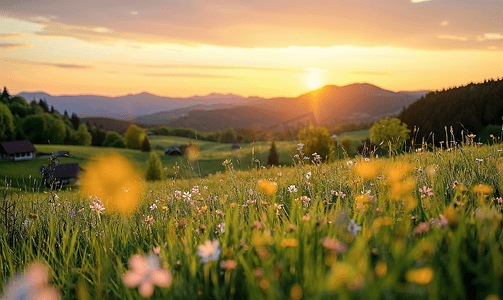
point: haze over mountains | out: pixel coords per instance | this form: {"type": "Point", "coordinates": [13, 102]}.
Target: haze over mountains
{"type": "Point", "coordinates": [359, 102]}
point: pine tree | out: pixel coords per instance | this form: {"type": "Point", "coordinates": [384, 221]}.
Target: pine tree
{"type": "Point", "coordinates": [145, 145]}
{"type": "Point", "coordinates": [273, 159]}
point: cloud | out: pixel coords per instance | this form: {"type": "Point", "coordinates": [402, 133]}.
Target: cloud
{"type": "Point", "coordinates": [190, 75]}
{"type": "Point", "coordinates": [490, 37]}
{"type": "Point", "coordinates": [10, 35]}
{"type": "Point", "coordinates": [314, 70]}
{"type": "Point", "coordinates": [14, 46]}
{"type": "Point", "coordinates": [371, 73]}
{"type": "Point", "coordinates": [101, 30]}
{"type": "Point", "coordinates": [50, 64]}
{"type": "Point", "coordinates": [40, 19]}
{"type": "Point", "coordinates": [453, 38]}
{"type": "Point", "coordinates": [211, 67]}
{"type": "Point", "coordinates": [263, 24]}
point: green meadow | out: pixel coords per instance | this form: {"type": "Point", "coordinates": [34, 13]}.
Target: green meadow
{"type": "Point", "coordinates": [422, 225]}
{"type": "Point", "coordinates": [24, 173]}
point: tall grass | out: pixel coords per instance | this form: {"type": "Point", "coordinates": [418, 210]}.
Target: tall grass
{"type": "Point", "coordinates": [348, 229]}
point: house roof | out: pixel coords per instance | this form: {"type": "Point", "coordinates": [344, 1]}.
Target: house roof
{"type": "Point", "coordinates": [18, 147]}
{"type": "Point", "coordinates": [66, 171]}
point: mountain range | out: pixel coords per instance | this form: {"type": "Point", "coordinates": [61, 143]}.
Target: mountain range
{"type": "Point", "coordinates": [358, 102]}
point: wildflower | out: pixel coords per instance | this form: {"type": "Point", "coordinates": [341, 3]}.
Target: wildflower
{"type": "Point", "coordinates": [349, 163]}
{"type": "Point", "coordinates": [300, 146]}
{"type": "Point", "coordinates": [33, 216]}
{"type": "Point", "coordinates": [353, 228]}
{"type": "Point", "coordinates": [145, 273]}
{"type": "Point", "coordinates": [381, 269]}
{"type": "Point", "coordinates": [186, 196]}
{"type": "Point", "coordinates": [97, 206]}
{"type": "Point", "coordinates": [209, 251]}
{"type": "Point", "coordinates": [164, 208]}
{"type": "Point", "coordinates": [368, 170]}
{"type": "Point", "coordinates": [227, 162]}
{"type": "Point", "coordinates": [425, 190]}
{"type": "Point", "coordinates": [342, 274]}
{"type": "Point", "coordinates": [289, 243]}
{"type": "Point", "coordinates": [306, 217]}
{"type": "Point", "coordinates": [267, 187]}
{"type": "Point", "coordinates": [250, 192]}
{"type": "Point", "coordinates": [317, 157]}
{"type": "Point", "coordinates": [293, 189]}
{"type": "Point", "coordinates": [296, 292]}
{"type": "Point", "coordinates": [153, 207]}
{"type": "Point", "coordinates": [148, 221]}
{"type": "Point", "coordinates": [257, 225]}
{"type": "Point", "coordinates": [221, 226]}
{"type": "Point", "coordinates": [335, 245]}
{"type": "Point", "coordinates": [421, 228]}
{"type": "Point", "coordinates": [499, 200]}
{"type": "Point", "coordinates": [308, 175]}
{"type": "Point", "coordinates": [455, 183]}
{"type": "Point", "coordinates": [482, 189]}
{"type": "Point", "coordinates": [421, 276]}
{"type": "Point", "coordinates": [157, 250]}
{"type": "Point", "coordinates": [479, 159]}
{"type": "Point", "coordinates": [280, 174]}
{"type": "Point", "coordinates": [106, 178]}
{"type": "Point", "coordinates": [228, 264]}
{"type": "Point", "coordinates": [32, 285]}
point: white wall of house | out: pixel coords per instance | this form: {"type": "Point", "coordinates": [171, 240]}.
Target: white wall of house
{"type": "Point", "coordinates": [24, 156]}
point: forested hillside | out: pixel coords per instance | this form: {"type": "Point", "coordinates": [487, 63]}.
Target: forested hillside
{"type": "Point", "coordinates": [472, 108]}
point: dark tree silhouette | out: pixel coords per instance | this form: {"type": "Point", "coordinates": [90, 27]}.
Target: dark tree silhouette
{"type": "Point", "coordinates": [273, 158]}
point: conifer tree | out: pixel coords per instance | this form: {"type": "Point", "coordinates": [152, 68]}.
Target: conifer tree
{"type": "Point", "coordinates": [145, 145]}
{"type": "Point", "coordinates": [273, 158]}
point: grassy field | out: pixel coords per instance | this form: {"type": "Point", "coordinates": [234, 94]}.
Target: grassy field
{"type": "Point", "coordinates": [25, 174]}
{"type": "Point", "coordinates": [416, 226]}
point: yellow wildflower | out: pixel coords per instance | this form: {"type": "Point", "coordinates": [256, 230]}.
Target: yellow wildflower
{"type": "Point", "coordinates": [381, 269]}
{"type": "Point", "coordinates": [421, 276]}
{"type": "Point", "coordinates": [482, 189]}
{"type": "Point", "coordinates": [113, 179]}
{"type": "Point", "coordinates": [368, 170]}
{"type": "Point", "coordinates": [267, 187]}
{"type": "Point", "coordinates": [289, 243]}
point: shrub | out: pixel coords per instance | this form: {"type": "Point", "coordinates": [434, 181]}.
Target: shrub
{"type": "Point", "coordinates": [389, 130]}
{"type": "Point", "coordinates": [113, 138]}
{"type": "Point", "coordinates": [82, 136]}
{"type": "Point", "coordinates": [134, 137]}
{"type": "Point", "coordinates": [316, 139]}
{"type": "Point", "coordinates": [228, 136]}
{"type": "Point", "coordinates": [154, 167]}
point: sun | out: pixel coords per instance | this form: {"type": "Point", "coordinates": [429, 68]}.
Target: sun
{"type": "Point", "coordinates": [313, 80]}
{"type": "Point", "coordinates": [313, 83]}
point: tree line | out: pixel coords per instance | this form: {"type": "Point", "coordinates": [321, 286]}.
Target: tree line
{"type": "Point", "coordinates": [471, 109]}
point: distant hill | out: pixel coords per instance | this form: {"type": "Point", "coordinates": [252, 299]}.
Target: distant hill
{"type": "Point", "coordinates": [470, 108]}
{"type": "Point", "coordinates": [127, 107]}
{"type": "Point", "coordinates": [361, 102]}
{"type": "Point", "coordinates": [163, 117]}
{"type": "Point", "coordinates": [111, 124]}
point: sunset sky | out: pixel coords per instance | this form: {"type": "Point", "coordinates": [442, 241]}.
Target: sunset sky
{"type": "Point", "coordinates": [248, 47]}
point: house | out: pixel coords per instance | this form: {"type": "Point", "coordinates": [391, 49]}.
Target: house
{"type": "Point", "coordinates": [173, 150]}
{"type": "Point", "coordinates": [17, 150]}
{"type": "Point", "coordinates": [58, 175]}
{"type": "Point", "coordinates": [67, 174]}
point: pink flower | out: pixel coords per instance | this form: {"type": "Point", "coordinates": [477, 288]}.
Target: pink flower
{"type": "Point", "coordinates": [145, 273]}
{"type": "Point", "coordinates": [33, 285]}
{"type": "Point", "coordinates": [422, 228]}
{"type": "Point", "coordinates": [334, 245]}
{"type": "Point", "coordinates": [425, 190]}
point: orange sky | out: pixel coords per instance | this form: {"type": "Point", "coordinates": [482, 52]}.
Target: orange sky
{"type": "Point", "coordinates": [262, 48]}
